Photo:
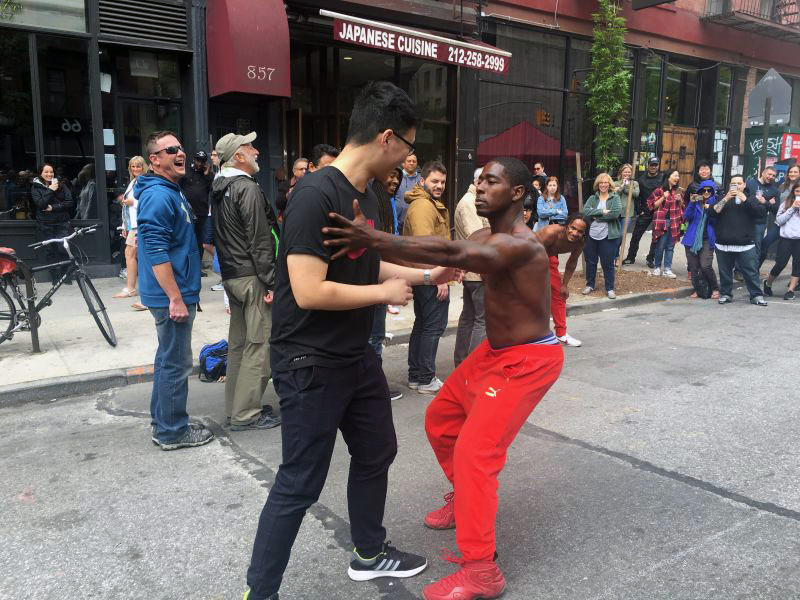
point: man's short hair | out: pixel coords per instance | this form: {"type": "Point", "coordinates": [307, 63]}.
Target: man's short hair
{"type": "Point", "coordinates": [516, 171]}
{"type": "Point", "coordinates": [431, 166]}
{"type": "Point", "coordinates": [576, 217]}
{"type": "Point", "coordinates": [320, 150]}
{"type": "Point", "coordinates": [769, 168]}
{"type": "Point", "coordinates": [298, 160]}
{"type": "Point", "coordinates": [152, 139]}
{"type": "Point", "coordinates": [380, 106]}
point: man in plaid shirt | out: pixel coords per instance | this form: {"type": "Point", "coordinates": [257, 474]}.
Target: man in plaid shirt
{"type": "Point", "coordinates": [667, 205]}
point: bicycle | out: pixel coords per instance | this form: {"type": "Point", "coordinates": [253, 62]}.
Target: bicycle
{"type": "Point", "coordinates": [14, 319]}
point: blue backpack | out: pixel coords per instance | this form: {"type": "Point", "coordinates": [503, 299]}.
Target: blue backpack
{"type": "Point", "coordinates": [213, 361]}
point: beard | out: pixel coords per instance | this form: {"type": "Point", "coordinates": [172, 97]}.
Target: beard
{"type": "Point", "coordinates": [252, 161]}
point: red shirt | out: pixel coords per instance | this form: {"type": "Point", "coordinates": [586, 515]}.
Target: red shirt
{"type": "Point", "coordinates": [672, 207]}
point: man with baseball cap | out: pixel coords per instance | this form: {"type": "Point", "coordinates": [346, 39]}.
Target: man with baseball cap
{"type": "Point", "coordinates": [246, 238]}
{"type": "Point", "coordinates": [648, 182]}
{"type": "Point", "coordinates": [196, 185]}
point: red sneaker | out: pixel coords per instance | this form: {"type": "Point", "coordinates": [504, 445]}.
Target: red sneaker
{"type": "Point", "coordinates": [442, 518]}
{"type": "Point", "coordinates": [479, 579]}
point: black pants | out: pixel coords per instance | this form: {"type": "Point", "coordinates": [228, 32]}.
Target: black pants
{"type": "Point", "coordinates": [787, 248]}
{"type": "Point", "coordinates": [54, 252]}
{"type": "Point", "coordinates": [701, 266]}
{"type": "Point", "coordinates": [642, 223]}
{"type": "Point", "coordinates": [315, 402]}
{"type": "Point", "coordinates": [199, 227]}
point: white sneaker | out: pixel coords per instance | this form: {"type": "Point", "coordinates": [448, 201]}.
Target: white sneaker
{"type": "Point", "coordinates": [611, 295]}
{"type": "Point", "coordinates": [669, 273]}
{"type": "Point", "coordinates": [431, 388]}
{"type": "Point", "coordinates": [217, 287]}
{"type": "Point", "coordinates": [656, 272]}
{"type": "Point", "coordinates": [587, 290]}
{"type": "Point", "coordinates": [413, 385]}
{"type": "Point", "coordinates": [569, 340]}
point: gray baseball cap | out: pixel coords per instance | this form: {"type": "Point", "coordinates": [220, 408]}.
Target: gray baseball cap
{"type": "Point", "coordinates": [228, 144]}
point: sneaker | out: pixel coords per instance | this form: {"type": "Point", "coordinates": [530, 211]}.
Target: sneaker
{"type": "Point", "coordinates": [587, 290]}
{"type": "Point", "coordinates": [758, 301]}
{"type": "Point", "coordinates": [413, 385]}
{"type": "Point", "coordinates": [193, 437]}
{"type": "Point", "coordinates": [123, 273]}
{"type": "Point", "coordinates": [217, 287]}
{"type": "Point", "coordinates": [651, 264]}
{"type": "Point", "coordinates": [395, 394]}
{"type": "Point", "coordinates": [628, 261]}
{"type": "Point", "coordinates": [249, 596]}
{"type": "Point", "coordinates": [611, 295]}
{"type": "Point", "coordinates": [569, 340]}
{"type": "Point", "coordinates": [669, 273]}
{"type": "Point", "coordinates": [444, 517]}
{"type": "Point", "coordinates": [266, 420]}
{"type": "Point", "coordinates": [390, 562]}
{"type": "Point", "coordinates": [724, 299]}
{"type": "Point", "coordinates": [155, 438]}
{"type": "Point", "coordinates": [767, 288]}
{"type": "Point", "coordinates": [475, 579]}
{"type": "Point", "coordinates": [656, 272]}
{"type": "Point", "coordinates": [430, 388]}
{"type": "Point", "coordinates": [789, 295]}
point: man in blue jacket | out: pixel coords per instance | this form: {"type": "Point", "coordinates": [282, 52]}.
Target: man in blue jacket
{"type": "Point", "coordinates": [169, 285]}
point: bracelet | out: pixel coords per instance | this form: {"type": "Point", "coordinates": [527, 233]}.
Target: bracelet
{"type": "Point", "coordinates": [426, 276]}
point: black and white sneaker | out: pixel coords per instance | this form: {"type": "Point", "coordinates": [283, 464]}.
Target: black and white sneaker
{"type": "Point", "coordinates": [395, 394]}
{"type": "Point", "coordinates": [190, 439]}
{"type": "Point", "coordinates": [266, 420]}
{"type": "Point", "coordinates": [391, 562]}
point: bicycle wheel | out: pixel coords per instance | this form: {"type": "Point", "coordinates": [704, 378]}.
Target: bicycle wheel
{"type": "Point", "coordinates": [8, 316]}
{"type": "Point", "coordinates": [97, 308]}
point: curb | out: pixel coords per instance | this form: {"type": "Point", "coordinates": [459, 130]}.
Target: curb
{"type": "Point", "coordinates": [46, 390]}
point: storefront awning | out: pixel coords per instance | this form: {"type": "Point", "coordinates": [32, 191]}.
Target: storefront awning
{"type": "Point", "coordinates": [420, 44]}
{"type": "Point", "coordinates": [247, 47]}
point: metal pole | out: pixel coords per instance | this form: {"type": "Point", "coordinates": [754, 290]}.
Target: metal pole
{"type": "Point", "coordinates": [33, 316]}
{"type": "Point", "coordinates": [627, 211]}
{"type": "Point", "coordinates": [580, 201]}
{"type": "Point", "coordinates": [767, 115]}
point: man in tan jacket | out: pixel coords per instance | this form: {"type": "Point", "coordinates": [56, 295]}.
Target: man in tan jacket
{"type": "Point", "coordinates": [427, 215]}
{"type": "Point", "coordinates": [471, 325]}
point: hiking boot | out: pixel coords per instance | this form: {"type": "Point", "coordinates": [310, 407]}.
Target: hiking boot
{"type": "Point", "coordinates": [192, 437]}
{"type": "Point", "coordinates": [432, 387]}
{"type": "Point", "coordinates": [442, 518]}
{"type": "Point", "coordinates": [475, 579]}
{"type": "Point", "coordinates": [390, 562]}
{"type": "Point", "coordinates": [154, 437]}
{"type": "Point", "coordinates": [266, 420]}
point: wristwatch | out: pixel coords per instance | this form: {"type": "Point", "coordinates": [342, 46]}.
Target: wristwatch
{"type": "Point", "coordinates": [426, 276]}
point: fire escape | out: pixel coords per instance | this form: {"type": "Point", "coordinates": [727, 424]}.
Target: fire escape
{"type": "Point", "coordinates": [777, 19]}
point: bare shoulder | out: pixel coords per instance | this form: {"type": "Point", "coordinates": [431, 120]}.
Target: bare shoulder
{"type": "Point", "coordinates": [519, 245]}
{"type": "Point", "coordinates": [481, 235]}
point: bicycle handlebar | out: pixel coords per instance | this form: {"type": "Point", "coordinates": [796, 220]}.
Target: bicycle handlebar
{"type": "Point", "coordinates": [77, 232]}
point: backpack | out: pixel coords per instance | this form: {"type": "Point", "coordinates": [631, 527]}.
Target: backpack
{"type": "Point", "coordinates": [213, 361]}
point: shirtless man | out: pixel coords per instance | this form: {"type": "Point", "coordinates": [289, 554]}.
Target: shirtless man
{"type": "Point", "coordinates": [559, 239]}
{"type": "Point", "coordinates": [486, 400]}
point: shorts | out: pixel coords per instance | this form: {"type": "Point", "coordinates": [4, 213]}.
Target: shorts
{"type": "Point", "coordinates": [130, 239]}
{"type": "Point", "coordinates": [207, 234]}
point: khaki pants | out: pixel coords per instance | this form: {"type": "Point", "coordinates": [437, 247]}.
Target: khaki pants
{"type": "Point", "coordinates": [248, 349]}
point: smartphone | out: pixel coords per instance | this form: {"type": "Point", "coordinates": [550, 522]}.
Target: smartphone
{"type": "Point", "coordinates": [734, 187]}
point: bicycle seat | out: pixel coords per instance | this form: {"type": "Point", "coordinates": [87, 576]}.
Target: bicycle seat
{"type": "Point", "coordinates": [8, 260]}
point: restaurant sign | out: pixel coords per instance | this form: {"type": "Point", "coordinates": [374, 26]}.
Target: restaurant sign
{"type": "Point", "coordinates": [419, 44]}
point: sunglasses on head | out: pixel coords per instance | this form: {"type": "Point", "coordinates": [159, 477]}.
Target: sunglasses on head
{"type": "Point", "coordinates": [170, 150]}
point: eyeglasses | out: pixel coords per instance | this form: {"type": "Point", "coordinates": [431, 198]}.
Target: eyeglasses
{"type": "Point", "coordinates": [411, 148]}
{"type": "Point", "coordinates": [170, 150]}
{"type": "Point", "coordinates": [707, 191]}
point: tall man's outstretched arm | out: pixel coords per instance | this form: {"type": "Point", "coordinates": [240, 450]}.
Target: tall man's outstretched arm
{"type": "Point", "coordinates": [501, 252]}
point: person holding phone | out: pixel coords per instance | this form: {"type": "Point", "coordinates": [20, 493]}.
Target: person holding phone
{"type": "Point", "coordinates": [736, 215]}
{"type": "Point", "coordinates": [766, 192]}
{"type": "Point", "coordinates": [788, 220]}
{"type": "Point", "coordinates": [53, 208]}
{"type": "Point", "coordinates": [667, 206]}
{"type": "Point", "coordinates": [699, 241]}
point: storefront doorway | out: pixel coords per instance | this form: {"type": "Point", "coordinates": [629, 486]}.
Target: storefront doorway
{"type": "Point", "coordinates": [678, 152]}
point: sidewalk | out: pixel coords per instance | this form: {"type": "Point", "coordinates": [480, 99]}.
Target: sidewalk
{"type": "Point", "coordinates": [74, 354]}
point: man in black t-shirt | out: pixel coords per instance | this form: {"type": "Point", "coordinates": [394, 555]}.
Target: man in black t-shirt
{"type": "Point", "coordinates": [327, 376]}
{"type": "Point", "coordinates": [196, 186]}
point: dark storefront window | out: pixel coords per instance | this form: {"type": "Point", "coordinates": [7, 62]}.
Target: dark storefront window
{"type": "Point", "coordinates": [539, 58]}
{"type": "Point", "coordinates": [680, 95]}
{"type": "Point", "coordinates": [426, 84]}
{"type": "Point", "coordinates": [724, 83]}
{"type": "Point", "coordinates": [17, 146]}
{"type": "Point", "coordinates": [66, 118]}
{"type": "Point", "coordinates": [146, 73]}
{"type": "Point", "coordinates": [652, 88]}
{"type": "Point", "coordinates": [356, 68]}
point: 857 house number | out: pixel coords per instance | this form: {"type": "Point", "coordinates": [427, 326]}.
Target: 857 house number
{"type": "Point", "coordinates": [260, 73]}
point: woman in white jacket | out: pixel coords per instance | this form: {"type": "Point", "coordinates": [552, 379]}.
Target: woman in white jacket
{"type": "Point", "coordinates": [788, 219]}
{"type": "Point", "coordinates": [136, 166]}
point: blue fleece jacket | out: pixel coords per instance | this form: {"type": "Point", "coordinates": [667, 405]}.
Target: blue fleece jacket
{"type": "Point", "coordinates": [693, 213]}
{"type": "Point", "coordinates": [165, 234]}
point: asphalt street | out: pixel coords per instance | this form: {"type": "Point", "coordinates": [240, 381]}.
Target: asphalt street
{"type": "Point", "coordinates": [663, 464]}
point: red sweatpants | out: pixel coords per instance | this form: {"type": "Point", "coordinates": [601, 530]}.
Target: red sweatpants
{"type": "Point", "coordinates": [558, 307]}
{"type": "Point", "coordinates": [473, 420]}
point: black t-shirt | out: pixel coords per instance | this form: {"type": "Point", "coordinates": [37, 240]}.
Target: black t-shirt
{"type": "Point", "coordinates": [196, 186]}
{"type": "Point", "coordinates": [330, 338]}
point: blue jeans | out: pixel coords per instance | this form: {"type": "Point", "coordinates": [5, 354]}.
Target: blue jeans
{"type": "Point", "coordinates": [378, 330]}
{"type": "Point", "coordinates": [746, 263]}
{"type": "Point", "coordinates": [665, 248]}
{"type": "Point", "coordinates": [171, 370]}
{"type": "Point", "coordinates": [606, 251]}
{"type": "Point", "coordinates": [759, 229]}
{"type": "Point", "coordinates": [430, 321]}
{"type": "Point", "coordinates": [773, 235]}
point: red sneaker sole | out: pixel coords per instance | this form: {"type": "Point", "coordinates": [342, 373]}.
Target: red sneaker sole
{"type": "Point", "coordinates": [429, 526]}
